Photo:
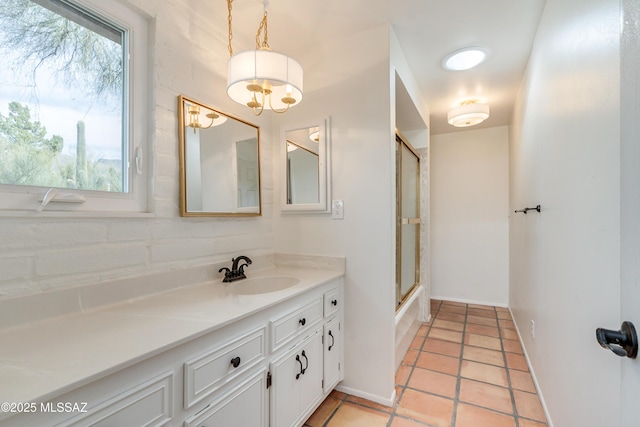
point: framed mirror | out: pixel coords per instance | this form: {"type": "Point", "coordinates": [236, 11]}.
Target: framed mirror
{"type": "Point", "coordinates": [219, 162]}
{"type": "Point", "coordinates": [306, 166]}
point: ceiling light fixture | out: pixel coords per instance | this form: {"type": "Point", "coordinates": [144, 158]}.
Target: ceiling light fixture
{"type": "Point", "coordinates": [469, 113]}
{"type": "Point", "coordinates": [464, 59]}
{"type": "Point", "coordinates": [193, 112]}
{"type": "Point", "coordinates": [314, 134]}
{"type": "Point", "coordinates": [263, 79]}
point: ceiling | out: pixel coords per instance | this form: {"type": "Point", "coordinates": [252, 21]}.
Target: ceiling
{"type": "Point", "coordinates": [427, 31]}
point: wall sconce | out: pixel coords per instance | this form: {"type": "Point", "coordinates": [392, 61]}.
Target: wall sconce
{"type": "Point", "coordinates": [261, 78]}
{"type": "Point", "coordinates": [469, 113]}
{"type": "Point", "coordinates": [193, 116]}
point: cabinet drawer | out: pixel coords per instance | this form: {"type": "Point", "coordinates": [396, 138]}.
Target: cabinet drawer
{"type": "Point", "coordinates": [215, 368]}
{"type": "Point", "coordinates": [332, 302]}
{"type": "Point", "coordinates": [294, 323]}
{"type": "Point", "coordinates": [149, 404]}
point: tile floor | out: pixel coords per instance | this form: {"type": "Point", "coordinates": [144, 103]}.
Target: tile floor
{"type": "Point", "coordinates": [465, 368]}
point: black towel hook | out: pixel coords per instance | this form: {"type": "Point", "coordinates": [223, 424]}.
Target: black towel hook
{"type": "Point", "coordinates": [525, 210]}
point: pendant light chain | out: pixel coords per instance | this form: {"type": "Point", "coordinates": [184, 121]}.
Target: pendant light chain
{"type": "Point", "coordinates": [229, 26]}
{"type": "Point", "coordinates": [263, 26]}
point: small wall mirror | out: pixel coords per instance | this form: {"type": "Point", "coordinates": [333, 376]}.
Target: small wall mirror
{"type": "Point", "coordinates": [305, 154]}
{"type": "Point", "coordinates": [219, 162]}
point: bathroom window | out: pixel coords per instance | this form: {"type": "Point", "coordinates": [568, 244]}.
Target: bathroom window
{"type": "Point", "coordinates": [73, 106]}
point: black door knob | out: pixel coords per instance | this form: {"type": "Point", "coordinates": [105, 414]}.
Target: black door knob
{"type": "Point", "coordinates": [623, 342]}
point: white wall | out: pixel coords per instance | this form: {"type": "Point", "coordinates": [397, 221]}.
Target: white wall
{"type": "Point", "coordinates": [565, 261]}
{"type": "Point", "coordinates": [44, 252]}
{"type": "Point", "coordinates": [469, 216]}
{"type": "Point", "coordinates": [362, 176]}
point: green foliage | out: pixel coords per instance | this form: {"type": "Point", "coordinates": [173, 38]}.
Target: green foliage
{"type": "Point", "coordinates": [28, 157]}
{"type": "Point", "coordinates": [82, 58]}
{"type": "Point", "coordinates": [26, 154]}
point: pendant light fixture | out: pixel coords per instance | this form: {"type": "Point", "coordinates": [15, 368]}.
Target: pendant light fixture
{"type": "Point", "coordinates": [263, 79]}
{"type": "Point", "coordinates": [469, 113]}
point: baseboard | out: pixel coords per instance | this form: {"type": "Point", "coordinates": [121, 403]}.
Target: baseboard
{"type": "Point", "coordinates": [533, 374]}
{"type": "Point", "coordinates": [372, 397]}
{"type": "Point", "coordinates": [469, 301]}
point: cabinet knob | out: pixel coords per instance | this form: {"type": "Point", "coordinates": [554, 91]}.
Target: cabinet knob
{"type": "Point", "coordinates": [334, 302]}
{"type": "Point", "coordinates": [302, 321]}
{"type": "Point", "coordinates": [235, 362]}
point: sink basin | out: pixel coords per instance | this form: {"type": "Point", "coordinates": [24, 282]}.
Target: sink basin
{"type": "Point", "coordinates": [261, 285]}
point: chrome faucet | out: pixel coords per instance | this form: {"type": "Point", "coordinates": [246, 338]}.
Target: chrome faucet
{"type": "Point", "coordinates": [237, 271]}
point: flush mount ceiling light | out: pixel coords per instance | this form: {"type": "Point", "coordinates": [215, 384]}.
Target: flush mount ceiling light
{"type": "Point", "coordinates": [263, 79]}
{"type": "Point", "coordinates": [464, 59]}
{"type": "Point", "coordinates": [314, 134]}
{"type": "Point", "coordinates": [193, 112]}
{"type": "Point", "coordinates": [469, 113]}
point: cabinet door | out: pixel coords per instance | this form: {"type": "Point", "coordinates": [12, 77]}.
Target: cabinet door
{"type": "Point", "coordinates": [244, 406]}
{"type": "Point", "coordinates": [297, 382]}
{"type": "Point", "coordinates": [332, 352]}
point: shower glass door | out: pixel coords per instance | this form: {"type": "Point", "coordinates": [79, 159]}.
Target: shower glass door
{"type": "Point", "coordinates": [407, 219]}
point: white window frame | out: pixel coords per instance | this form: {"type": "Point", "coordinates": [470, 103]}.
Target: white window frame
{"type": "Point", "coordinates": [137, 118]}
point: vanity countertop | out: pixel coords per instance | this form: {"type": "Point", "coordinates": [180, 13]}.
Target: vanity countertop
{"type": "Point", "coordinates": [43, 359]}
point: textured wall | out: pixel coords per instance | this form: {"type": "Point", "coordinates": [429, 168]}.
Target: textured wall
{"type": "Point", "coordinates": [40, 252]}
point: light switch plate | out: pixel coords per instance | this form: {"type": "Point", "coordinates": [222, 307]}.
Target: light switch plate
{"type": "Point", "coordinates": [337, 209]}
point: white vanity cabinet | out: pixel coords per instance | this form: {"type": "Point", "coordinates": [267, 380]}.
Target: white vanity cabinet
{"type": "Point", "coordinates": [269, 368]}
{"type": "Point", "coordinates": [297, 381]}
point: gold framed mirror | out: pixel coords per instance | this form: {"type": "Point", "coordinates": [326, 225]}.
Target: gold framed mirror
{"type": "Point", "coordinates": [219, 162]}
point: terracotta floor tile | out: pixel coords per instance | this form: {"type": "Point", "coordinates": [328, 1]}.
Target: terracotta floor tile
{"type": "Point", "coordinates": [504, 314]}
{"type": "Point", "coordinates": [445, 335]}
{"type": "Point", "coordinates": [452, 309]}
{"type": "Point", "coordinates": [516, 361]}
{"type": "Point", "coordinates": [482, 321]}
{"type": "Point", "coordinates": [486, 395]}
{"type": "Point", "coordinates": [483, 330]}
{"type": "Point", "coordinates": [528, 406]}
{"type": "Point", "coordinates": [324, 411]}
{"type": "Point", "coordinates": [402, 374]}
{"type": "Point", "coordinates": [483, 355]}
{"type": "Point", "coordinates": [522, 381]}
{"type": "Point", "coordinates": [434, 377]}
{"type": "Point", "coordinates": [509, 334]}
{"type": "Point", "coordinates": [410, 357]}
{"type": "Point", "coordinates": [422, 331]}
{"type": "Point", "coordinates": [448, 324]}
{"type": "Point", "coordinates": [350, 415]}
{"type": "Point", "coordinates": [442, 347]}
{"type": "Point", "coordinates": [451, 316]}
{"type": "Point", "coordinates": [472, 416]}
{"type": "Point", "coordinates": [404, 422]}
{"type": "Point", "coordinates": [506, 324]}
{"type": "Point", "coordinates": [434, 410]}
{"type": "Point", "coordinates": [512, 346]}
{"type": "Point", "coordinates": [369, 404]}
{"type": "Point", "coordinates": [433, 382]}
{"type": "Point", "coordinates": [454, 303]}
{"type": "Point", "coordinates": [483, 341]}
{"type": "Point", "coordinates": [482, 307]}
{"type": "Point", "coordinates": [417, 342]}
{"type": "Point", "coordinates": [529, 423]}
{"type": "Point", "coordinates": [485, 373]}
{"type": "Point", "coordinates": [438, 362]}
{"type": "Point", "coordinates": [491, 314]}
